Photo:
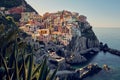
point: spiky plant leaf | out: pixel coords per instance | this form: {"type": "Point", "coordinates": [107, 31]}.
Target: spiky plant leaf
{"type": "Point", "coordinates": [29, 77]}
{"type": "Point", "coordinates": [52, 76]}
{"type": "Point", "coordinates": [24, 66]}
{"type": "Point", "coordinates": [36, 70]}
{"type": "Point", "coordinates": [5, 66]}
{"type": "Point", "coordinates": [42, 70]}
{"type": "Point", "coordinates": [16, 64]}
{"type": "Point", "coordinates": [11, 59]}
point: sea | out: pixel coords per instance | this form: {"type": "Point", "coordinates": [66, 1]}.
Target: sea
{"type": "Point", "coordinates": [111, 36]}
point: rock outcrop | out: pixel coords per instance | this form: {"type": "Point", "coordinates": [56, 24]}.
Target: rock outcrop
{"type": "Point", "coordinates": [106, 67]}
{"type": "Point", "coordinates": [106, 48]}
{"type": "Point", "coordinates": [87, 39]}
{"type": "Point", "coordinates": [76, 59]}
{"type": "Point", "coordinates": [79, 74]}
{"type": "Point", "coordinates": [90, 69]}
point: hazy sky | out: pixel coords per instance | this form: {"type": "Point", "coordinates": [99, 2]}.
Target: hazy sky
{"type": "Point", "coordinates": [100, 13]}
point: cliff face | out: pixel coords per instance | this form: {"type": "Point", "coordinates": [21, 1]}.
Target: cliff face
{"type": "Point", "coordinates": [86, 40]}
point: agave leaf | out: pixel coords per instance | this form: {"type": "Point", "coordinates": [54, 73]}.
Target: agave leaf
{"type": "Point", "coordinates": [20, 70]}
{"type": "Point", "coordinates": [47, 73]}
{"type": "Point", "coordinates": [42, 70]}
{"type": "Point", "coordinates": [5, 66]}
{"type": "Point", "coordinates": [16, 65]}
{"type": "Point", "coordinates": [27, 56]}
{"type": "Point", "coordinates": [36, 70]}
{"type": "Point", "coordinates": [24, 66]}
{"type": "Point", "coordinates": [11, 59]}
{"type": "Point", "coordinates": [52, 77]}
{"type": "Point", "coordinates": [29, 77]}
{"type": "Point", "coordinates": [12, 76]}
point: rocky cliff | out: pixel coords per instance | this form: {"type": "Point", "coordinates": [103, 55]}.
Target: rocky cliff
{"type": "Point", "coordinates": [86, 40]}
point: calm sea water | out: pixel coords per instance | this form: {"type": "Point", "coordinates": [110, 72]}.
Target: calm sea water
{"type": "Point", "coordinates": [111, 36]}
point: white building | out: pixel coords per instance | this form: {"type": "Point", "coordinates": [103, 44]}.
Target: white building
{"type": "Point", "coordinates": [75, 31]}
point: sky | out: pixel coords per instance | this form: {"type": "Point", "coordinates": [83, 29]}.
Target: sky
{"type": "Point", "coordinates": [100, 13]}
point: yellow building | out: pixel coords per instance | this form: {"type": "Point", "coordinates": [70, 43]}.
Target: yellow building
{"type": "Point", "coordinates": [44, 32]}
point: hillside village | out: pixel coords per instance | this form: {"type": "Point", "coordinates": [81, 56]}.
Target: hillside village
{"type": "Point", "coordinates": [58, 27]}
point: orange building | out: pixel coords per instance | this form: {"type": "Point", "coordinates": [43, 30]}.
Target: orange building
{"type": "Point", "coordinates": [44, 32]}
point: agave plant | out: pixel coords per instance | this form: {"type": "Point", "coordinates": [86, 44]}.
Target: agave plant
{"type": "Point", "coordinates": [21, 66]}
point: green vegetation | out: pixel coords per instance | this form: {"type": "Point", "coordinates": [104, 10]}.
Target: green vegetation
{"type": "Point", "coordinates": [8, 30]}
